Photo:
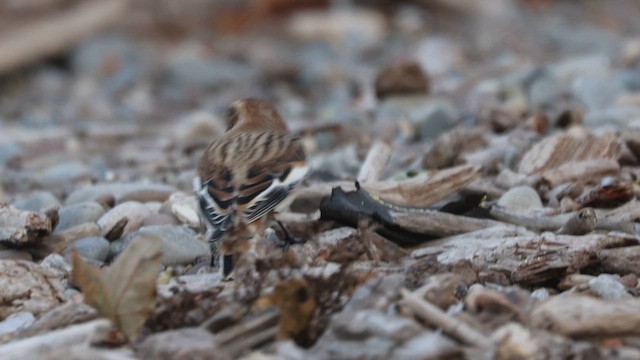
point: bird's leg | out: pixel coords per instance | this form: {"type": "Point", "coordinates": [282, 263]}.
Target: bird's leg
{"type": "Point", "coordinates": [288, 238]}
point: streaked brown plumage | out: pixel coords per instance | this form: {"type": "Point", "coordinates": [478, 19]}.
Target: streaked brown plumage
{"type": "Point", "coordinates": [244, 174]}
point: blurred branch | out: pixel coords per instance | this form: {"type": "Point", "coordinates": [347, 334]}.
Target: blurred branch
{"type": "Point", "coordinates": [45, 37]}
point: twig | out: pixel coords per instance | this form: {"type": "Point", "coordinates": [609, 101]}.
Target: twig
{"type": "Point", "coordinates": [436, 317]}
{"type": "Point", "coordinates": [54, 34]}
{"type": "Point", "coordinates": [375, 162]}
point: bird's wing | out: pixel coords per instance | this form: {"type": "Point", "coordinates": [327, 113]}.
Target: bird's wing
{"type": "Point", "coordinates": [215, 196]}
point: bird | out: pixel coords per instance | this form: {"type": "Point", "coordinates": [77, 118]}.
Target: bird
{"type": "Point", "coordinates": [243, 175]}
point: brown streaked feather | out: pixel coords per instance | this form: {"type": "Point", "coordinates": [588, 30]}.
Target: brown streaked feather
{"type": "Point", "coordinates": [245, 170]}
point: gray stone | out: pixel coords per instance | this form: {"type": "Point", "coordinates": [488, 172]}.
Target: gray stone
{"type": "Point", "coordinates": [616, 117]}
{"type": "Point", "coordinates": [135, 213]}
{"type": "Point", "coordinates": [153, 192]}
{"type": "Point", "coordinates": [160, 219]}
{"type": "Point", "coordinates": [596, 92]}
{"type": "Point", "coordinates": [93, 248]}
{"type": "Point", "coordinates": [80, 213]}
{"type": "Point", "coordinates": [429, 345]}
{"type": "Point", "coordinates": [179, 244]}
{"type": "Point", "coordinates": [36, 201]}
{"type": "Point", "coordinates": [186, 343]}
{"type": "Point", "coordinates": [65, 174]}
{"type": "Point", "coordinates": [430, 117]}
{"type": "Point", "coordinates": [9, 151]}
{"type": "Point", "coordinates": [521, 198]}
{"type": "Point", "coordinates": [569, 68]}
{"type": "Point", "coordinates": [16, 322]}
{"type": "Point", "coordinates": [58, 263]}
{"type": "Point", "coordinates": [439, 55]}
{"type": "Point", "coordinates": [609, 287]}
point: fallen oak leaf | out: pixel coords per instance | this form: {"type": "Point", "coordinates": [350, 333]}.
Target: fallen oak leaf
{"type": "Point", "coordinates": [125, 292]}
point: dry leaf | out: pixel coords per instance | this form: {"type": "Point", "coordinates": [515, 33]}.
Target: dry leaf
{"type": "Point", "coordinates": [126, 291]}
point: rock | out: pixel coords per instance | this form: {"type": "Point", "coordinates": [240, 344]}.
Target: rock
{"type": "Point", "coordinates": [515, 342]}
{"type": "Point", "coordinates": [185, 343]}
{"type": "Point", "coordinates": [439, 55]}
{"type": "Point", "coordinates": [596, 92]}
{"type": "Point", "coordinates": [357, 28]}
{"type": "Point", "coordinates": [521, 198]}
{"type": "Point", "coordinates": [429, 345]}
{"type": "Point", "coordinates": [160, 219]}
{"type": "Point", "coordinates": [569, 68]}
{"type": "Point", "coordinates": [402, 78]}
{"type": "Point", "coordinates": [16, 322]}
{"type": "Point", "coordinates": [428, 117]}
{"type": "Point", "coordinates": [80, 213]}
{"type": "Point", "coordinates": [616, 117]}
{"type": "Point", "coordinates": [609, 287]}
{"type": "Point", "coordinates": [57, 263]}
{"type": "Point", "coordinates": [64, 174]}
{"type": "Point", "coordinates": [9, 152]}
{"type": "Point", "coordinates": [92, 248]}
{"type": "Point", "coordinates": [36, 201]}
{"type": "Point", "coordinates": [197, 126]}
{"type": "Point", "coordinates": [184, 207]}
{"type": "Point", "coordinates": [193, 66]}
{"type": "Point", "coordinates": [135, 213]}
{"type": "Point", "coordinates": [10, 254]}
{"type": "Point", "coordinates": [179, 244]}
{"type": "Point", "coordinates": [337, 164]}
{"type": "Point", "coordinates": [29, 287]}
{"type": "Point", "coordinates": [122, 192]}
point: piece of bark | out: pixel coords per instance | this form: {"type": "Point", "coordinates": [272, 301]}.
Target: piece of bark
{"type": "Point", "coordinates": [568, 148]}
{"type": "Point", "coordinates": [452, 145]}
{"type": "Point", "coordinates": [373, 165]}
{"type": "Point", "coordinates": [588, 170]}
{"type": "Point", "coordinates": [255, 330]}
{"type": "Point", "coordinates": [41, 38]}
{"type": "Point", "coordinates": [62, 316]}
{"type": "Point", "coordinates": [426, 189]}
{"type": "Point", "coordinates": [581, 316]}
{"type": "Point", "coordinates": [24, 228]}
{"type": "Point", "coordinates": [27, 286]}
{"type": "Point", "coordinates": [39, 347]}
{"type": "Point", "coordinates": [450, 325]}
{"type": "Point", "coordinates": [524, 259]}
{"type": "Point", "coordinates": [623, 260]}
{"type": "Point", "coordinates": [440, 224]}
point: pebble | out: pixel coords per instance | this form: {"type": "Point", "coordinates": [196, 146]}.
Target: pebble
{"type": "Point", "coordinates": [10, 254]}
{"type": "Point", "coordinates": [439, 55]}
{"type": "Point", "coordinates": [92, 248]}
{"type": "Point", "coordinates": [340, 163]}
{"type": "Point", "coordinates": [36, 201]}
{"type": "Point", "coordinates": [615, 117]}
{"type": "Point", "coordinates": [609, 287]}
{"type": "Point", "coordinates": [199, 125]}
{"type": "Point", "coordinates": [357, 28]}
{"type": "Point", "coordinates": [401, 78]}
{"type": "Point", "coordinates": [160, 219]}
{"type": "Point", "coordinates": [135, 213]}
{"type": "Point", "coordinates": [521, 198]}
{"type": "Point", "coordinates": [184, 207]}
{"type": "Point", "coordinates": [66, 174]}
{"type": "Point", "coordinates": [179, 244]}
{"type": "Point", "coordinates": [122, 191]}
{"type": "Point", "coordinates": [57, 263]}
{"type": "Point", "coordinates": [16, 322]}
{"type": "Point", "coordinates": [77, 214]}
{"type": "Point", "coordinates": [429, 345]}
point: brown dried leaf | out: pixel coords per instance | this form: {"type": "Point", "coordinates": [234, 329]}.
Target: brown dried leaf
{"type": "Point", "coordinates": [124, 292]}
{"type": "Point", "coordinates": [555, 151]}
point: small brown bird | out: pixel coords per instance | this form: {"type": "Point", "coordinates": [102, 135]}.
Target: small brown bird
{"type": "Point", "coordinates": [245, 174]}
